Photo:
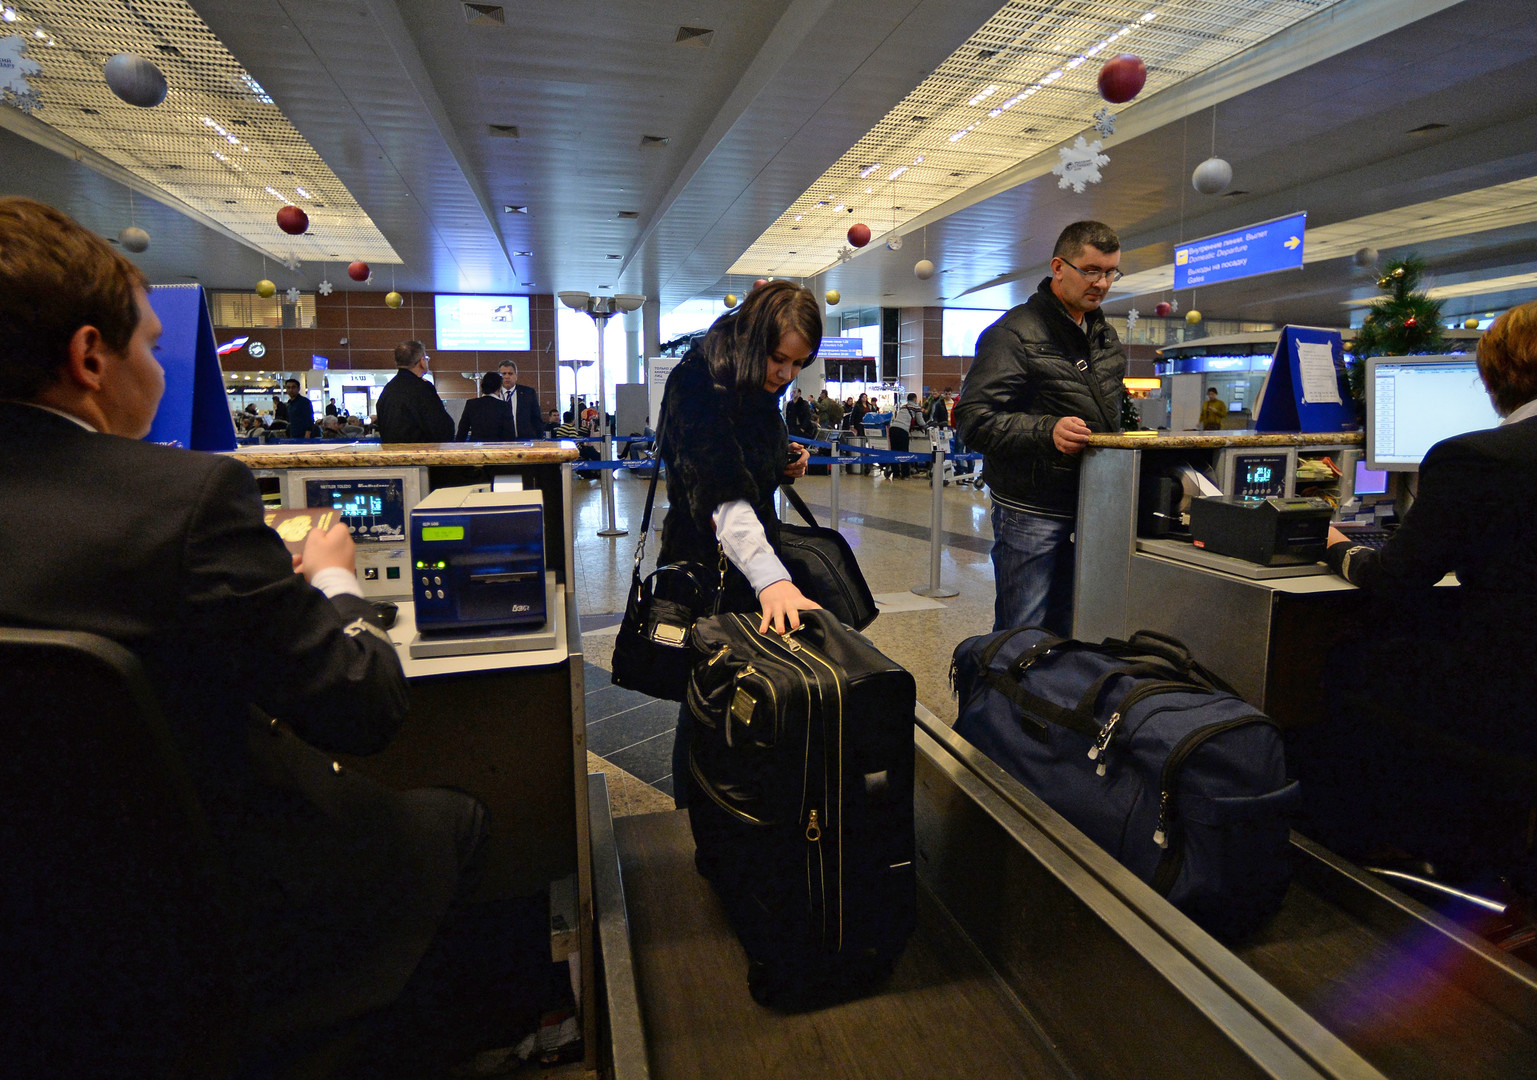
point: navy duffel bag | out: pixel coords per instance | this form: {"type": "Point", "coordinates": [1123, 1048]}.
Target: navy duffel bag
{"type": "Point", "coordinates": [1150, 755]}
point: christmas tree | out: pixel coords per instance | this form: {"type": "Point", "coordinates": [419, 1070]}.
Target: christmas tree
{"type": "Point", "coordinates": [1402, 323]}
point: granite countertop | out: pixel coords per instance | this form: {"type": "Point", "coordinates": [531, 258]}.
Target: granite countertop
{"type": "Point", "coordinates": [1211, 440]}
{"type": "Point", "coordinates": [368, 455]}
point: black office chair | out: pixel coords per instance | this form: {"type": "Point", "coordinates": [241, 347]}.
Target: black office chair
{"type": "Point", "coordinates": [114, 927]}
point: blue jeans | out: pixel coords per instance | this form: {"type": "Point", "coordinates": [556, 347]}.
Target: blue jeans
{"type": "Point", "coordinates": [1032, 571]}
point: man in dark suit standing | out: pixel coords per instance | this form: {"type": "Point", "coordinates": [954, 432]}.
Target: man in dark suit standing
{"type": "Point", "coordinates": [300, 413]}
{"type": "Point", "coordinates": [410, 410]}
{"type": "Point", "coordinates": [522, 403]}
{"type": "Point", "coordinates": [341, 887]}
{"type": "Point", "coordinates": [485, 419]}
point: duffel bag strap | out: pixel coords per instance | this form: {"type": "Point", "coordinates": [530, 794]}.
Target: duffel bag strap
{"type": "Point", "coordinates": [1088, 704]}
{"type": "Point", "coordinates": [1035, 711]}
{"type": "Point", "coordinates": [1176, 652]}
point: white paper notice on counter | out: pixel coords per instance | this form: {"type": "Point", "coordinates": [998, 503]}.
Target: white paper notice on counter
{"type": "Point", "coordinates": [1315, 362]}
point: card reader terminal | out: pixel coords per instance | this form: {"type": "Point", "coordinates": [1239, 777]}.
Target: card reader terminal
{"type": "Point", "coordinates": [477, 560]}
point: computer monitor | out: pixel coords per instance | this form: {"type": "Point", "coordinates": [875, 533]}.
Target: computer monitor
{"type": "Point", "coordinates": [1413, 402]}
{"type": "Point", "coordinates": [1370, 481]}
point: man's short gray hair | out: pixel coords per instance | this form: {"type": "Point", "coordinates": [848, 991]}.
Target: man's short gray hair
{"type": "Point", "coordinates": [407, 353]}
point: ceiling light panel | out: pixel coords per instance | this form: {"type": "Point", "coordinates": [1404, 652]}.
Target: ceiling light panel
{"type": "Point", "coordinates": [1023, 83]}
{"type": "Point", "coordinates": [216, 137]}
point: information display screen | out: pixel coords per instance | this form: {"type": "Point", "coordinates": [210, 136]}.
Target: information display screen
{"type": "Point", "coordinates": [1413, 402]}
{"type": "Point", "coordinates": [372, 507]}
{"type": "Point", "coordinates": [495, 323]}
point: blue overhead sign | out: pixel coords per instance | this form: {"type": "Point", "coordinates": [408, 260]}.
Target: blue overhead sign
{"type": "Point", "coordinates": [842, 348]}
{"type": "Point", "coordinates": [1257, 249]}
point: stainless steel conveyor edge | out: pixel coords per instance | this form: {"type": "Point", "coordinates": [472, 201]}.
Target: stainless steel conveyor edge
{"type": "Point", "coordinates": [1492, 976]}
{"type": "Point", "coordinates": [624, 1027]}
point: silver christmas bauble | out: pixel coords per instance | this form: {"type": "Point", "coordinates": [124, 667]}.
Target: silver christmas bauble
{"type": "Point", "coordinates": [923, 269]}
{"type": "Point", "coordinates": [135, 80]}
{"type": "Point", "coordinates": [134, 239]}
{"type": "Point", "coordinates": [1212, 176]}
{"type": "Point", "coordinates": [1366, 256]}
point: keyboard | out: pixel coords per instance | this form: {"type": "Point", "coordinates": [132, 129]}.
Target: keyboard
{"type": "Point", "coordinates": [1369, 537]}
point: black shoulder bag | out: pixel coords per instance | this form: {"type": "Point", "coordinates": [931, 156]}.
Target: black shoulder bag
{"type": "Point", "coordinates": [651, 653]}
{"type": "Point", "coordinates": [823, 567]}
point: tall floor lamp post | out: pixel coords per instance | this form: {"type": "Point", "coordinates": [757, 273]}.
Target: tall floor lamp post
{"type": "Point", "coordinates": [601, 309]}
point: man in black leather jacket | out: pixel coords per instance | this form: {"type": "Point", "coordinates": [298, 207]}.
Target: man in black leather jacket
{"type": "Point", "coordinates": [1046, 376]}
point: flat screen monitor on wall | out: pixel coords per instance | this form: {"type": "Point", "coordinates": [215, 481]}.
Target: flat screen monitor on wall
{"type": "Point", "coordinates": [487, 323]}
{"type": "Point", "coordinates": [1413, 402]}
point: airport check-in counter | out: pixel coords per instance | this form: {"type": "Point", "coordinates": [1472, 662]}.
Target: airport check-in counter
{"type": "Point", "coordinates": [508, 727]}
{"type": "Point", "coordinates": [1039, 956]}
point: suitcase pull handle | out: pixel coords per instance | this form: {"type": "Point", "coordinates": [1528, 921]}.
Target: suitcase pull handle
{"type": "Point", "coordinates": [813, 830]}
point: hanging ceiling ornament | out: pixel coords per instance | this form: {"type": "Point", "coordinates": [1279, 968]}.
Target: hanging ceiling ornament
{"type": "Point", "coordinates": [266, 289]}
{"type": "Point", "coordinates": [134, 239]}
{"type": "Point", "coordinates": [1104, 121]}
{"type": "Point", "coordinates": [1192, 316]}
{"type": "Point", "coordinates": [1365, 257]}
{"type": "Point", "coordinates": [292, 294]}
{"type": "Point", "coordinates": [293, 220]}
{"type": "Point", "coordinates": [15, 69]}
{"type": "Point", "coordinates": [358, 271]}
{"type": "Point", "coordinates": [1131, 319]}
{"type": "Point", "coordinates": [762, 281]}
{"type": "Point", "coordinates": [325, 288]}
{"type": "Point", "coordinates": [1470, 323]}
{"type": "Point", "coordinates": [923, 269]}
{"type": "Point", "coordinates": [730, 299]}
{"type": "Point", "coordinates": [1122, 78]}
{"type": "Point", "coordinates": [1080, 164]}
{"type": "Point", "coordinates": [859, 234]}
{"type": "Point", "coordinates": [393, 299]}
{"type": "Point", "coordinates": [845, 253]}
{"type": "Point", "coordinates": [833, 296]}
{"type": "Point", "coordinates": [135, 80]}
{"type": "Point", "coordinates": [1212, 176]}
{"type": "Point", "coordinates": [1163, 309]}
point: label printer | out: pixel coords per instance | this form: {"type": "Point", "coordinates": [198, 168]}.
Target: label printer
{"type": "Point", "coordinates": [477, 560]}
{"type": "Point", "coordinates": [1270, 532]}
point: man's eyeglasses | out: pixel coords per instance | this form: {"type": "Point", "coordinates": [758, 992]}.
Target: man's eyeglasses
{"type": "Point", "coordinates": [1094, 276]}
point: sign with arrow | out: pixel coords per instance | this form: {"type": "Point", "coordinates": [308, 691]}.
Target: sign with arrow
{"type": "Point", "coordinates": [1247, 252]}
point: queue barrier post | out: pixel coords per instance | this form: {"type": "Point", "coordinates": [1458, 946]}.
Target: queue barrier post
{"type": "Point", "coordinates": [934, 589]}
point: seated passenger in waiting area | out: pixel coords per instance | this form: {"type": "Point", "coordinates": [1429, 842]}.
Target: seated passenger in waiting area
{"type": "Point", "coordinates": [351, 897]}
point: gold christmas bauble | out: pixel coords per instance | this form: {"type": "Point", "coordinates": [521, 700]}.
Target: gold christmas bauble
{"type": "Point", "coordinates": [1471, 324]}
{"type": "Point", "coordinates": [833, 296]}
{"type": "Point", "coordinates": [393, 299]}
{"type": "Point", "coordinates": [1192, 316]}
{"type": "Point", "coordinates": [731, 299]}
{"type": "Point", "coordinates": [266, 289]}
{"type": "Point", "coordinates": [1398, 273]}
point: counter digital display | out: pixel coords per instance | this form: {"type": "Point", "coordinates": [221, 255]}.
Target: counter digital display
{"type": "Point", "coordinates": [373, 508]}
{"type": "Point", "coordinates": [442, 532]}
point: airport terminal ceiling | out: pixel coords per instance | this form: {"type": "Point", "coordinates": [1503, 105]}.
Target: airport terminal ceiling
{"type": "Point", "coordinates": [651, 147]}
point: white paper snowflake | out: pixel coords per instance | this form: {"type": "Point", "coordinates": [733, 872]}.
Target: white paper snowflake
{"type": "Point", "coordinates": [845, 253]}
{"type": "Point", "coordinates": [292, 262]}
{"type": "Point", "coordinates": [1104, 121]}
{"type": "Point", "coordinates": [1080, 164]}
{"type": "Point", "coordinates": [1131, 319]}
{"type": "Point", "coordinates": [1173, 306]}
{"type": "Point", "coordinates": [293, 295]}
{"type": "Point", "coordinates": [324, 288]}
{"type": "Point", "coordinates": [15, 69]}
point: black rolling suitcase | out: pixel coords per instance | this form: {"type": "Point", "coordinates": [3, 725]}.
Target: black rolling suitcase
{"type": "Point", "coordinates": [802, 802]}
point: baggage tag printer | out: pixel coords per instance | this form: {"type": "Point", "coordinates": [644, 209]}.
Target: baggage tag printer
{"type": "Point", "coordinates": [477, 560]}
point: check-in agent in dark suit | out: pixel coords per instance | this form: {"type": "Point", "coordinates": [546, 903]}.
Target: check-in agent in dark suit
{"type": "Point", "coordinates": [341, 885]}
{"type": "Point", "coordinates": [486, 418]}
{"type": "Point", "coordinates": [522, 404]}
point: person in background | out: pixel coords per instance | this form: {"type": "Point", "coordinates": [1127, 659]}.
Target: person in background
{"type": "Point", "coordinates": [347, 896]}
{"type": "Point", "coordinates": [299, 412]}
{"type": "Point", "coordinates": [486, 418]}
{"type": "Point", "coordinates": [905, 419]}
{"type": "Point", "coordinates": [279, 412]}
{"type": "Point", "coordinates": [829, 411]}
{"type": "Point", "coordinates": [331, 409]}
{"type": "Point", "coordinates": [585, 451]}
{"type": "Point", "coordinates": [800, 418]}
{"type": "Point", "coordinates": [1046, 376]}
{"type": "Point", "coordinates": [522, 404]}
{"type": "Point", "coordinates": [1438, 693]}
{"type": "Point", "coordinates": [1213, 411]}
{"type": "Point", "coordinates": [551, 422]}
{"type": "Point", "coordinates": [725, 447]}
{"type": "Point", "coordinates": [410, 410]}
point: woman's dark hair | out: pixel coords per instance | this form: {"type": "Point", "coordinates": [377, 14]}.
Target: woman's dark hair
{"type": "Point", "coordinates": [491, 382]}
{"type": "Point", "coordinates": [738, 346]}
{"type": "Point", "coordinates": [1507, 358]}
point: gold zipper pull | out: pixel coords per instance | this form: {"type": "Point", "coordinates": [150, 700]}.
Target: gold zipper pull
{"type": "Point", "coordinates": [724, 649]}
{"type": "Point", "coordinates": [813, 830]}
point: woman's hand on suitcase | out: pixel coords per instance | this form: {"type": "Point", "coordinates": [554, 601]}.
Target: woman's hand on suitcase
{"type": "Point", "coordinates": [782, 604]}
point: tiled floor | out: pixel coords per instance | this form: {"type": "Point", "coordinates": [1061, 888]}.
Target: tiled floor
{"type": "Point", "coordinates": [887, 522]}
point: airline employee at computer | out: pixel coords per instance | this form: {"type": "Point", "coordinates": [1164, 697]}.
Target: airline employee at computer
{"type": "Point", "coordinates": [1473, 682]}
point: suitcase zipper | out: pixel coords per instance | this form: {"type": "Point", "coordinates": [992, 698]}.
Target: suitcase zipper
{"type": "Point", "coordinates": [704, 785]}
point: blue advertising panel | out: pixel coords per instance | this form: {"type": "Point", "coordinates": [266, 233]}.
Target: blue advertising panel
{"type": "Point", "coordinates": [1247, 252]}
{"type": "Point", "coordinates": [842, 348]}
{"type": "Point", "coordinates": [194, 410]}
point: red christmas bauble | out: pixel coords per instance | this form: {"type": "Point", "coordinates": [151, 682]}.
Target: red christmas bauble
{"type": "Point", "coordinates": [1411, 321]}
{"type": "Point", "coordinates": [1122, 78]}
{"type": "Point", "coordinates": [358, 271]}
{"type": "Point", "coordinates": [762, 281]}
{"type": "Point", "coordinates": [859, 235]}
{"type": "Point", "coordinates": [1162, 309]}
{"type": "Point", "coordinates": [293, 221]}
